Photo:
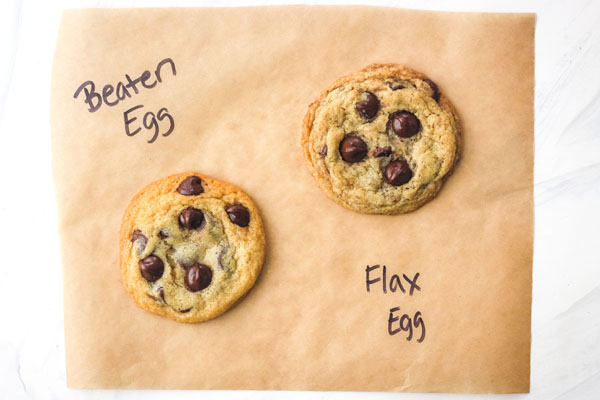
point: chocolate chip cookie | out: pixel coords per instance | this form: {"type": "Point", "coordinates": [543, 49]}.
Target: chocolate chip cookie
{"type": "Point", "coordinates": [191, 246]}
{"type": "Point", "coordinates": [381, 140]}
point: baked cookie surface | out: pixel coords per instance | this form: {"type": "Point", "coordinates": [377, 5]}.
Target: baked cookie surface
{"type": "Point", "coordinates": [191, 246]}
{"type": "Point", "coordinates": [381, 140]}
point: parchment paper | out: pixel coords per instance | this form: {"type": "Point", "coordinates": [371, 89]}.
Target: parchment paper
{"type": "Point", "coordinates": [244, 78]}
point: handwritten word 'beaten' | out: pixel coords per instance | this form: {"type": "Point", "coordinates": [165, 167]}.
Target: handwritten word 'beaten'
{"type": "Point", "coordinates": [94, 100]}
{"type": "Point", "coordinates": [111, 95]}
{"type": "Point", "coordinates": [377, 275]}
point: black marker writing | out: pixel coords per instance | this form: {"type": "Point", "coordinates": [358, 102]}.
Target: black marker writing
{"type": "Point", "coordinates": [94, 100]}
{"type": "Point", "coordinates": [149, 121]}
{"type": "Point", "coordinates": [395, 282]}
{"type": "Point", "coordinates": [377, 276]}
{"type": "Point", "coordinates": [405, 324]}
{"type": "Point", "coordinates": [112, 95]}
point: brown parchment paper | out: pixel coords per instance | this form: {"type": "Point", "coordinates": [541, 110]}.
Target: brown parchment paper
{"type": "Point", "coordinates": [245, 77]}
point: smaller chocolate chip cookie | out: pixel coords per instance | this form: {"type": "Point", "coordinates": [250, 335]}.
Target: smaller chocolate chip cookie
{"type": "Point", "coordinates": [191, 246]}
{"type": "Point", "coordinates": [381, 140]}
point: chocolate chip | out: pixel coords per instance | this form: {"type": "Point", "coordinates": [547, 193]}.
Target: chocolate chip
{"type": "Point", "coordinates": [238, 214]}
{"type": "Point", "coordinates": [151, 268]}
{"type": "Point", "coordinates": [162, 234]}
{"type": "Point", "coordinates": [138, 235]}
{"type": "Point", "coordinates": [191, 218]}
{"type": "Point", "coordinates": [369, 107]}
{"type": "Point", "coordinates": [323, 151]}
{"type": "Point", "coordinates": [353, 149]}
{"type": "Point", "coordinates": [161, 293]}
{"type": "Point", "coordinates": [395, 86]}
{"type": "Point", "coordinates": [397, 173]}
{"type": "Point", "coordinates": [434, 88]}
{"type": "Point", "coordinates": [404, 124]}
{"type": "Point", "coordinates": [198, 277]}
{"type": "Point", "coordinates": [382, 151]}
{"type": "Point", "coordinates": [191, 186]}
{"type": "Point", "coordinates": [185, 311]}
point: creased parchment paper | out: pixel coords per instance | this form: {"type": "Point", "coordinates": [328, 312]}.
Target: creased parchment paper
{"type": "Point", "coordinates": [244, 78]}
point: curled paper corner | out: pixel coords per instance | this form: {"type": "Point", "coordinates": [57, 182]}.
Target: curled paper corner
{"type": "Point", "coordinates": [405, 385]}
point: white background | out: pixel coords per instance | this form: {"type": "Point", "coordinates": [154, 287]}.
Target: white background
{"type": "Point", "coordinates": [565, 352]}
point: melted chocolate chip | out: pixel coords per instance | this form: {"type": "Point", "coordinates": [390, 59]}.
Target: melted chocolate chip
{"type": "Point", "coordinates": [183, 264]}
{"type": "Point", "coordinates": [395, 86]}
{"type": "Point", "coordinates": [382, 151]}
{"type": "Point", "coordinates": [404, 124]}
{"type": "Point", "coordinates": [198, 277]}
{"type": "Point", "coordinates": [238, 214]}
{"type": "Point", "coordinates": [323, 151]}
{"type": "Point", "coordinates": [353, 149]}
{"type": "Point", "coordinates": [397, 173]}
{"type": "Point", "coordinates": [186, 310]}
{"type": "Point", "coordinates": [162, 234]}
{"type": "Point", "coordinates": [220, 258]}
{"type": "Point", "coordinates": [434, 88]}
{"type": "Point", "coordinates": [138, 235]}
{"type": "Point", "coordinates": [369, 107]}
{"type": "Point", "coordinates": [151, 268]}
{"type": "Point", "coordinates": [191, 186]}
{"type": "Point", "coordinates": [191, 218]}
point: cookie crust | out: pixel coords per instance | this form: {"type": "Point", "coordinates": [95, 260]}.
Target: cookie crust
{"type": "Point", "coordinates": [233, 253]}
{"type": "Point", "coordinates": [431, 154]}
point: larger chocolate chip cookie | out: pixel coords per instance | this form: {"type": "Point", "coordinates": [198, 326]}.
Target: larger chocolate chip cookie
{"type": "Point", "coordinates": [191, 246]}
{"type": "Point", "coordinates": [381, 140]}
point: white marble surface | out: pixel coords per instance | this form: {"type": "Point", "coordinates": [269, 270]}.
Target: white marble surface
{"type": "Point", "coordinates": [565, 357]}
